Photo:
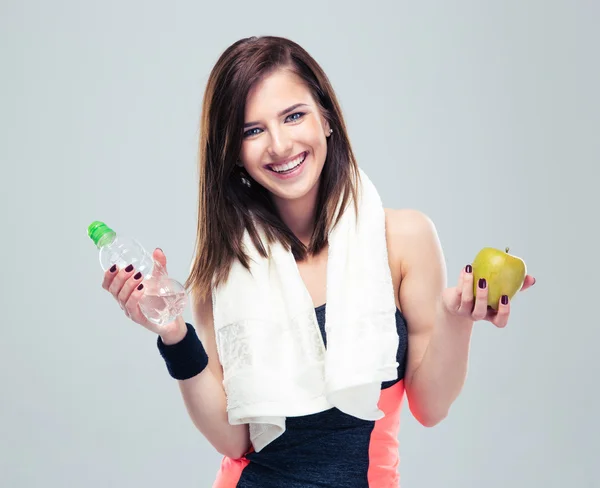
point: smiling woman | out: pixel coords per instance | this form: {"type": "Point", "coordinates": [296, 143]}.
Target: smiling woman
{"type": "Point", "coordinates": [316, 309]}
{"type": "Point", "coordinates": [285, 150]}
{"type": "Point", "coordinates": [268, 103]}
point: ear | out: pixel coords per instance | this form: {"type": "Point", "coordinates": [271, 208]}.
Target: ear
{"type": "Point", "coordinates": [327, 128]}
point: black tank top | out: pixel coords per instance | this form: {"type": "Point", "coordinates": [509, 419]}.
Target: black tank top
{"type": "Point", "coordinates": [326, 449]}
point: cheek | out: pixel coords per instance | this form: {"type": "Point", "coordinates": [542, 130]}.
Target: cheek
{"type": "Point", "coordinates": [251, 153]}
{"type": "Point", "coordinates": [312, 135]}
{"type": "Point", "coordinates": [319, 145]}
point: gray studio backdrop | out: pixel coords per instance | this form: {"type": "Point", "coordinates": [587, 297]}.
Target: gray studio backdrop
{"type": "Point", "coordinates": [484, 115]}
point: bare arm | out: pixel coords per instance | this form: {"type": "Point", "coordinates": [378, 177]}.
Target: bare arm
{"type": "Point", "coordinates": [203, 394]}
{"type": "Point", "coordinates": [438, 344]}
{"type": "Point", "coordinates": [440, 319]}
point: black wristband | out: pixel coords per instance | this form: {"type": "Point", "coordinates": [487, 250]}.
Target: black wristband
{"type": "Point", "coordinates": [186, 358]}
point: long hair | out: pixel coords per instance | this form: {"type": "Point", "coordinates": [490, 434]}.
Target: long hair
{"type": "Point", "coordinates": [226, 206]}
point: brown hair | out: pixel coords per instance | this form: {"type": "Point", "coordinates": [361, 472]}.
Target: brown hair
{"type": "Point", "coordinates": [226, 206]}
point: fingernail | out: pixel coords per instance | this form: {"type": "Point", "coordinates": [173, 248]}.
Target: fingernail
{"type": "Point", "coordinates": [113, 268]}
{"type": "Point", "coordinates": [504, 300]}
{"type": "Point", "coordinates": [137, 276]}
{"type": "Point", "coordinates": [129, 268]}
{"type": "Point", "coordinates": [141, 286]}
{"type": "Point", "coordinates": [481, 282]}
{"type": "Point", "coordinates": [533, 282]}
{"type": "Point", "coordinates": [468, 268]}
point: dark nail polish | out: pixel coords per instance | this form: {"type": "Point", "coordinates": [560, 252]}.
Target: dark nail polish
{"type": "Point", "coordinates": [468, 268]}
{"type": "Point", "coordinates": [113, 268]}
{"type": "Point", "coordinates": [504, 300]}
{"type": "Point", "coordinates": [141, 286]}
{"type": "Point", "coordinates": [137, 276]}
{"type": "Point", "coordinates": [482, 283]}
{"type": "Point", "coordinates": [129, 268]}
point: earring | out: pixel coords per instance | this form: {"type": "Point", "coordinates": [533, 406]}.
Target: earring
{"type": "Point", "coordinates": [330, 132]}
{"type": "Point", "coordinates": [245, 181]}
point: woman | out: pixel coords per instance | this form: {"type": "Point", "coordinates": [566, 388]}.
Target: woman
{"type": "Point", "coordinates": [275, 166]}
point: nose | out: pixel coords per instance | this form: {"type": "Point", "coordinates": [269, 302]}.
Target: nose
{"type": "Point", "coordinates": [281, 143]}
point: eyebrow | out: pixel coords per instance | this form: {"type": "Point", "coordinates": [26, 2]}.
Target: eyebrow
{"type": "Point", "coordinates": [280, 114]}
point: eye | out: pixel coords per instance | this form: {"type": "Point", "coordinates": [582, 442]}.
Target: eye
{"type": "Point", "coordinates": [251, 132]}
{"type": "Point", "coordinates": [295, 117]}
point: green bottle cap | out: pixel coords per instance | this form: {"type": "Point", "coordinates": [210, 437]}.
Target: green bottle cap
{"type": "Point", "coordinates": [97, 230]}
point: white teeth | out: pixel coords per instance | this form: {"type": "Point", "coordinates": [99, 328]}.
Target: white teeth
{"type": "Point", "coordinates": [281, 168]}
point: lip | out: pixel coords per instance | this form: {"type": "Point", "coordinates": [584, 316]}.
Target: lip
{"type": "Point", "coordinates": [295, 172]}
{"type": "Point", "coordinates": [283, 161]}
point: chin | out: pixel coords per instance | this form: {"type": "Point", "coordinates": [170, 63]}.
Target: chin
{"type": "Point", "coordinates": [295, 194]}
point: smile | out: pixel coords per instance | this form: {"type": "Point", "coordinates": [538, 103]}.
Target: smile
{"type": "Point", "coordinates": [289, 166]}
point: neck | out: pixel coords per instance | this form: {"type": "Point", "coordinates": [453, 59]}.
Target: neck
{"type": "Point", "coordinates": [299, 215]}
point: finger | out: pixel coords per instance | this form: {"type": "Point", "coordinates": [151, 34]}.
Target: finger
{"type": "Point", "coordinates": [452, 296]}
{"type": "Point", "coordinates": [467, 298]}
{"type": "Point", "coordinates": [128, 287]}
{"type": "Point", "coordinates": [500, 319]}
{"type": "Point", "coordinates": [461, 277]}
{"type": "Point", "coordinates": [528, 282]}
{"type": "Point", "coordinates": [159, 256]}
{"type": "Point", "coordinates": [132, 307]}
{"type": "Point", "coordinates": [119, 280]}
{"type": "Point", "coordinates": [109, 276]}
{"type": "Point", "coordinates": [480, 308]}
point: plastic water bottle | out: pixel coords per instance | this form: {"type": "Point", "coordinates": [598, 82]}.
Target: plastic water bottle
{"type": "Point", "coordinates": [164, 298]}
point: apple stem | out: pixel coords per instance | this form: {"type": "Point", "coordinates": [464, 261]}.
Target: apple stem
{"type": "Point", "coordinates": [506, 250]}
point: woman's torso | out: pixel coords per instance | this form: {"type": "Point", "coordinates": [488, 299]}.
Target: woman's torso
{"type": "Point", "coordinates": [330, 448]}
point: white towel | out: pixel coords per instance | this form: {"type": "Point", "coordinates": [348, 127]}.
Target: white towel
{"type": "Point", "coordinates": [274, 361]}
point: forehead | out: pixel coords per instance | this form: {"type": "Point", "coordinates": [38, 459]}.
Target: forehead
{"type": "Point", "coordinates": [275, 92]}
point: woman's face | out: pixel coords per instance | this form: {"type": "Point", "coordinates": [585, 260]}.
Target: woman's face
{"type": "Point", "coordinates": [285, 136]}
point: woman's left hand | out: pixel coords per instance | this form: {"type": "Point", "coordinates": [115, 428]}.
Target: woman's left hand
{"type": "Point", "coordinates": [460, 301]}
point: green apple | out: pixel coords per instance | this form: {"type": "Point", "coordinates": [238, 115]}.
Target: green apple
{"type": "Point", "coordinates": [503, 272]}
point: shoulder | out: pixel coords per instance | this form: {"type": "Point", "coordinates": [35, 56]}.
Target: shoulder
{"type": "Point", "coordinates": [411, 234]}
{"type": "Point", "coordinates": [408, 222]}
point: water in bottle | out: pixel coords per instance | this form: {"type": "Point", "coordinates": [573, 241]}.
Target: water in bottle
{"type": "Point", "coordinates": [163, 298]}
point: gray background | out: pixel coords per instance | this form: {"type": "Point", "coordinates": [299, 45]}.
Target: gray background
{"type": "Point", "coordinates": [484, 115]}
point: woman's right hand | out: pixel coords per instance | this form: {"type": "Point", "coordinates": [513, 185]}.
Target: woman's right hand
{"type": "Point", "coordinates": [127, 287]}
{"type": "Point", "coordinates": [203, 394]}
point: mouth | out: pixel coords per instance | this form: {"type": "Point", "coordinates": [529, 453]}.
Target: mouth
{"type": "Point", "coordinates": [289, 166]}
